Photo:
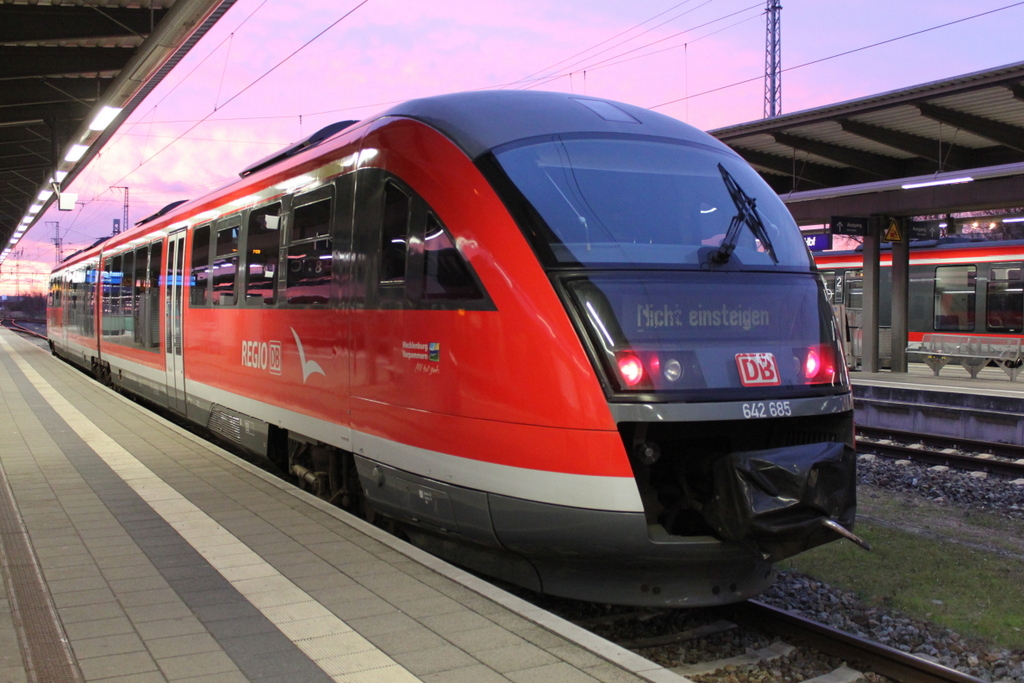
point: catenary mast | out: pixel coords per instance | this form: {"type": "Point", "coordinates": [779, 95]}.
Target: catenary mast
{"type": "Point", "coordinates": [773, 59]}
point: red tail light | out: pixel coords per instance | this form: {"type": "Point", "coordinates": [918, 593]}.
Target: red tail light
{"type": "Point", "coordinates": [630, 368]}
{"type": "Point", "coordinates": [819, 366]}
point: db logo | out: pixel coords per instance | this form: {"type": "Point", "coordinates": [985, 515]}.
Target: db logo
{"type": "Point", "coordinates": [758, 369]}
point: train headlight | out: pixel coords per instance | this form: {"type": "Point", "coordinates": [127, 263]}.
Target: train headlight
{"type": "Point", "coordinates": [672, 370]}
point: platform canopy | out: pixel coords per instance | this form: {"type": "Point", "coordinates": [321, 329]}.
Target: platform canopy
{"type": "Point", "coordinates": [853, 158]}
{"type": "Point", "coordinates": [61, 63]}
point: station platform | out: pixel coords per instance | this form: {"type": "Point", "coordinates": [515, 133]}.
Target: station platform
{"type": "Point", "coordinates": [132, 550]}
{"type": "Point", "coordinates": [989, 407]}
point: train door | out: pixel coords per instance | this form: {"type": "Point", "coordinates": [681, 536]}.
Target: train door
{"type": "Point", "coordinates": [172, 322]}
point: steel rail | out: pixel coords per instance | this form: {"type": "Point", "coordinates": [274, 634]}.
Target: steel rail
{"type": "Point", "coordinates": [860, 652]}
{"type": "Point", "coordinates": [13, 325]}
{"type": "Point", "coordinates": [934, 457]}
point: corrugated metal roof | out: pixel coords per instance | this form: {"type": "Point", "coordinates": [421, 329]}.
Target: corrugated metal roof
{"type": "Point", "coordinates": [60, 62]}
{"type": "Point", "coordinates": [971, 121]}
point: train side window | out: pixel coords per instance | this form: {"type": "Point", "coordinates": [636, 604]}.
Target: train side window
{"type": "Point", "coordinates": [1004, 298]}
{"type": "Point", "coordinates": [263, 247]}
{"type": "Point", "coordinates": [446, 276]}
{"type": "Point", "coordinates": [64, 296]}
{"type": "Point", "coordinates": [139, 308]}
{"type": "Point", "coordinates": [112, 295]}
{"type": "Point", "coordinates": [225, 262]}
{"type": "Point", "coordinates": [855, 290]}
{"type": "Point", "coordinates": [394, 235]}
{"type": "Point", "coordinates": [955, 288]}
{"type": "Point", "coordinates": [308, 280]}
{"type": "Point", "coordinates": [150, 308]}
{"type": "Point", "coordinates": [89, 294]}
{"type": "Point", "coordinates": [200, 275]}
{"type": "Point", "coordinates": [346, 285]}
{"type": "Point", "coordinates": [125, 298]}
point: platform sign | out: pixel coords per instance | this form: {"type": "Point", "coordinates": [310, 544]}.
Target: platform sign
{"type": "Point", "coordinates": [849, 225]}
{"type": "Point", "coordinates": [818, 242]}
{"type": "Point", "coordinates": [925, 230]}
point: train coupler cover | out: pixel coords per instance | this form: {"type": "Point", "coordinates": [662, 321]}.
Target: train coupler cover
{"type": "Point", "coordinates": [776, 500]}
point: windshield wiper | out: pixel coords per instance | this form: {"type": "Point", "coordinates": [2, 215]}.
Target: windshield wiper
{"type": "Point", "coordinates": [746, 214]}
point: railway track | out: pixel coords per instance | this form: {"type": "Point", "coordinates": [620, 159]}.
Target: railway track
{"type": "Point", "coordinates": [859, 655]}
{"type": "Point", "coordinates": [865, 654]}
{"type": "Point", "coordinates": [13, 325]}
{"type": "Point", "coordinates": [943, 450]}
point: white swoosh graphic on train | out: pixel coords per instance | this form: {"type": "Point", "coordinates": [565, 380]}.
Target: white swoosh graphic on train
{"type": "Point", "coordinates": [308, 366]}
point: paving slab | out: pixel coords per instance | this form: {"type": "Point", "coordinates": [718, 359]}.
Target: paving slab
{"type": "Point", "coordinates": [165, 558]}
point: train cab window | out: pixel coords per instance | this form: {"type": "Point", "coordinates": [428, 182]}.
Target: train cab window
{"type": "Point", "coordinates": [394, 235]}
{"type": "Point", "coordinates": [1004, 298]}
{"type": "Point", "coordinates": [262, 249]}
{"type": "Point", "coordinates": [446, 276]}
{"type": "Point", "coordinates": [200, 275]}
{"type": "Point", "coordinates": [225, 262]}
{"type": "Point", "coordinates": [955, 288]}
{"type": "Point", "coordinates": [308, 280]}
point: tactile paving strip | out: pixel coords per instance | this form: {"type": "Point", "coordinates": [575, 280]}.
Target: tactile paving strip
{"type": "Point", "coordinates": [44, 645]}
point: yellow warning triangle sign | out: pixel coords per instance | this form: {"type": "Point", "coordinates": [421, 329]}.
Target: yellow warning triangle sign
{"type": "Point", "coordinates": [893, 233]}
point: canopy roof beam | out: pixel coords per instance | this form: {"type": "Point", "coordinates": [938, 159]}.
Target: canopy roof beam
{"type": "Point", "coordinates": [996, 131]}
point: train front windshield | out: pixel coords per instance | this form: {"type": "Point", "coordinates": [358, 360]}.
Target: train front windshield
{"type": "Point", "coordinates": [647, 203]}
{"type": "Point", "coordinates": [686, 270]}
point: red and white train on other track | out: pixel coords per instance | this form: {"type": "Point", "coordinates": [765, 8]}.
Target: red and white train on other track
{"type": "Point", "coordinates": [567, 342]}
{"type": "Point", "coordinates": [957, 285]}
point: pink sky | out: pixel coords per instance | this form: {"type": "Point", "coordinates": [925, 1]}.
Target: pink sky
{"type": "Point", "coordinates": [393, 50]}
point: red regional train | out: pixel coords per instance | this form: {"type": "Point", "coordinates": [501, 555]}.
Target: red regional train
{"type": "Point", "coordinates": [957, 285]}
{"type": "Point", "coordinates": [570, 343]}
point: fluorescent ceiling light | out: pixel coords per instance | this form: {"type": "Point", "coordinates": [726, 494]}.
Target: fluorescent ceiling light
{"type": "Point", "coordinates": [104, 118]}
{"type": "Point", "coordinates": [44, 195]}
{"type": "Point", "coordinates": [1013, 220]}
{"type": "Point", "coordinates": [935, 183]}
{"type": "Point", "coordinates": [34, 209]}
{"type": "Point", "coordinates": [59, 176]}
{"type": "Point", "coordinates": [76, 152]}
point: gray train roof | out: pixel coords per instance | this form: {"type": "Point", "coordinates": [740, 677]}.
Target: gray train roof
{"type": "Point", "coordinates": [480, 121]}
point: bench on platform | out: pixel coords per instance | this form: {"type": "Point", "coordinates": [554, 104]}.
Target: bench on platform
{"type": "Point", "coordinates": [972, 353]}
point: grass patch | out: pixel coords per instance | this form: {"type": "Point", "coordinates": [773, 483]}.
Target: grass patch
{"type": "Point", "coordinates": [972, 591]}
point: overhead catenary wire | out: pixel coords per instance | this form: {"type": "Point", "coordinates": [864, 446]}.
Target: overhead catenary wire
{"type": "Point", "coordinates": [203, 119]}
{"type": "Point", "coordinates": [621, 33]}
{"type": "Point", "coordinates": [601, 64]}
{"type": "Point", "coordinates": [592, 47]}
{"type": "Point", "coordinates": [202, 61]}
{"type": "Point", "coordinates": [250, 85]}
{"type": "Point", "coordinates": [760, 76]}
{"type": "Point", "coordinates": [608, 61]}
